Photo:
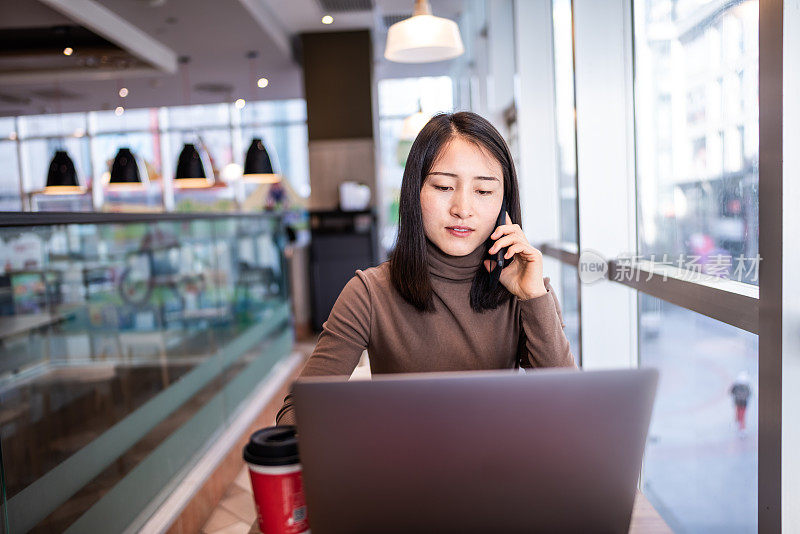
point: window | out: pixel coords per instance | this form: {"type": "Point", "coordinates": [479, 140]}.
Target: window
{"type": "Point", "coordinates": [36, 142]}
{"type": "Point", "coordinates": [197, 117]}
{"type": "Point", "coordinates": [281, 125]}
{"type": "Point", "coordinates": [156, 136]}
{"type": "Point", "coordinates": [697, 132]}
{"type": "Point", "coordinates": [398, 100]}
{"type": "Point", "coordinates": [569, 298]}
{"type": "Point", "coordinates": [131, 120]}
{"type": "Point", "coordinates": [272, 111]}
{"type": "Point", "coordinates": [566, 166]}
{"type": "Point", "coordinates": [696, 123]}
{"type": "Point", "coordinates": [682, 171]}
{"type": "Point", "coordinates": [564, 75]}
{"type": "Point", "coordinates": [700, 470]}
{"type": "Point", "coordinates": [142, 144]}
{"type": "Point", "coordinates": [287, 145]}
{"type": "Point", "coordinates": [52, 125]}
{"type": "Point", "coordinates": [9, 177]}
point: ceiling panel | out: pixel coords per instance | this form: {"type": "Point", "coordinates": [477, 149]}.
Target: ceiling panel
{"type": "Point", "coordinates": [215, 34]}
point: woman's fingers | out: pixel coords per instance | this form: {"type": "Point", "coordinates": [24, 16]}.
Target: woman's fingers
{"type": "Point", "coordinates": [505, 229]}
{"type": "Point", "coordinates": [503, 242]}
{"type": "Point", "coordinates": [515, 249]}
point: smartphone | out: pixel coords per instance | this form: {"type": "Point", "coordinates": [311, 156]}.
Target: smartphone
{"type": "Point", "coordinates": [499, 257]}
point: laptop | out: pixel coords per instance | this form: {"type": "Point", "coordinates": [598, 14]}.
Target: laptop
{"type": "Point", "coordinates": [554, 450]}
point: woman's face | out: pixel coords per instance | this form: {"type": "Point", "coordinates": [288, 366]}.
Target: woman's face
{"type": "Point", "coordinates": [461, 197]}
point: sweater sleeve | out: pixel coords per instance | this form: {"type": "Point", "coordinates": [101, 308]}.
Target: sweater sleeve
{"type": "Point", "coordinates": [542, 325]}
{"type": "Point", "coordinates": [344, 337]}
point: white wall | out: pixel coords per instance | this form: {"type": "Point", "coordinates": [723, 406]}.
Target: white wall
{"type": "Point", "coordinates": [790, 424]}
{"type": "Point", "coordinates": [606, 186]}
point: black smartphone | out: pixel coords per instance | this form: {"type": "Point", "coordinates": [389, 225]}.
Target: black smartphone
{"type": "Point", "coordinates": [499, 257]}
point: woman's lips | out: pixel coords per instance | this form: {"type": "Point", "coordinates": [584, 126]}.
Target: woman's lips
{"type": "Point", "coordinates": [460, 231]}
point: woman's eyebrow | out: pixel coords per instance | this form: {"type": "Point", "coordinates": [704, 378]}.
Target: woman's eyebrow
{"type": "Point", "coordinates": [456, 176]}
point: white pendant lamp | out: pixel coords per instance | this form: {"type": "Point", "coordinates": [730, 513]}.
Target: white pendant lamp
{"type": "Point", "coordinates": [423, 38]}
{"type": "Point", "coordinates": [413, 124]}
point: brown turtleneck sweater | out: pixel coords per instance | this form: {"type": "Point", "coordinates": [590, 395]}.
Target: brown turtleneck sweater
{"type": "Point", "coordinates": [370, 314]}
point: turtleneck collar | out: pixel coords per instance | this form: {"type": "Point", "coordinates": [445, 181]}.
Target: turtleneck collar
{"type": "Point", "coordinates": [456, 268]}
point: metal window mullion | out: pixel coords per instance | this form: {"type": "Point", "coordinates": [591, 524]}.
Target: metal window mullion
{"type": "Point", "coordinates": [715, 300]}
{"type": "Point", "coordinates": [770, 231]}
{"type": "Point", "coordinates": [739, 309]}
{"type": "Point", "coordinates": [562, 254]}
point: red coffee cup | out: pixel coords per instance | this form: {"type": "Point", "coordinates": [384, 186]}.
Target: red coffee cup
{"type": "Point", "coordinates": [274, 465]}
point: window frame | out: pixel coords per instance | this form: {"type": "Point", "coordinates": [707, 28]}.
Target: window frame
{"type": "Point", "coordinates": [603, 48]}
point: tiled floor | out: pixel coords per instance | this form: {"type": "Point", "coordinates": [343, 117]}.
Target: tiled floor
{"type": "Point", "coordinates": [236, 512]}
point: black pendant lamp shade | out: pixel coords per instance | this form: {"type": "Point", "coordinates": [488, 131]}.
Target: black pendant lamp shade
{"type": "Point", "coordinates": [61, 176]}
{"type": "Point", "coordinates": [192, 171]}
{"type": "Point", "coordinates": [257, 165]}
{"type": "Point", "coordinates": [125, 170]}
{"type": "Point", "coordinates": [189, 164]}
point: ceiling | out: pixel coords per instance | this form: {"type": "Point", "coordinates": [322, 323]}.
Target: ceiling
{"type": "Point", "coordinates": [172, 52]}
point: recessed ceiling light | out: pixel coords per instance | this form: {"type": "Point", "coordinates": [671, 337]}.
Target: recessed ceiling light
{"type": "Point", "coordinates": [239, 103]}
{"type": "Point", "coordinates": [68, 51]}
{"type": "Point", "coordinates": [263, 82]}
{"type": "Point", "coordinates": [327, 19]}
{"type": "Point", "coordinates": [123, 92]}
{"type": "Point", "coordinates": [12, 136]}
{"type": "Point", "coordinates": [119, 111]}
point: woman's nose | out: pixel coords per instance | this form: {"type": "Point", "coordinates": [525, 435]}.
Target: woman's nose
{"type": "Point", "coordinates": [462, 205]}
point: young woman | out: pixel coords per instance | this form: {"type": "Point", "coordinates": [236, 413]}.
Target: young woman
{"type": "Point", "coordinates": [432, 306]}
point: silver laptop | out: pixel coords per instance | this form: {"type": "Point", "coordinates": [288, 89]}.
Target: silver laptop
{"type": "Point", "coordinates": [480, 451]}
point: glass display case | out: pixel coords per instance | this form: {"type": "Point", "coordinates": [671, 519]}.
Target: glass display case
{"type": "Point", "coordinates": [123, 339]}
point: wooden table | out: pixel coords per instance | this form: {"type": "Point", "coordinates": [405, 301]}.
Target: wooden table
{"type": "Point", "coordinates": [645, 519]}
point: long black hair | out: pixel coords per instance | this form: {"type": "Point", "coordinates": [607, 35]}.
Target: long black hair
{"type": "Point", "coordinates": [409, 260]}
